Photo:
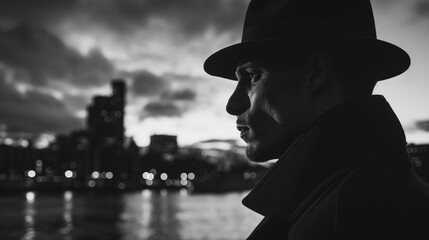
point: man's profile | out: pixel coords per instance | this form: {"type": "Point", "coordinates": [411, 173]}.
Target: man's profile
{"type": "Point", "coordinates": [305, 72]}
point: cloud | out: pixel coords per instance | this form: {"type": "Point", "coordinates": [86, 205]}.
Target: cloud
{"type": "Point", "coordinates": [423, 125]}
{"type": "Point", "coordinates": [40, 57]}
{"type": "Point", "coordinates": [183, 78]}
{"type": "Point", "coordinates": [422, 9]}
{"type": "Point", "coordinates": [180, 95]}
{"type": "Point", "coordinates": [161, 109]}
{"type": "Point", "coordinates": [186, 16]}
{"type": "Point", "coordinates": [172, 103]}
{"type": "Point", "coordinates": [41, 11]}
{"type": "Point", "coordinates": [33, 112]}
{"type": "Point", "coordinates": [76, 103]}
{"type": "Point", "coordinates": [190, 16]}
{"type": "Point", "coordinates": [147, 84]}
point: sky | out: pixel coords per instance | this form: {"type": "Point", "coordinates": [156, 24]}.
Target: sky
{"type": "Point", "coordinates": [56, 55]}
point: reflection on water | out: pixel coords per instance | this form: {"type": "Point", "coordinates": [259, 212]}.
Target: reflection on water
{"type": "Point", "coordinates": [130, 215]}
{"type": "Point", "coordinates": [67, 214]}
{"type": "Point", "coordinates": [29, 216]}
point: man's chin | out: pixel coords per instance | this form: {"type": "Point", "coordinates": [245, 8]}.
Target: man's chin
{"type": "Point", "coordinates": [256, 154]}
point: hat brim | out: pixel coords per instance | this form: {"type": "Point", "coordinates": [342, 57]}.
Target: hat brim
{"type": "Point", "coordinates": [379, 59]}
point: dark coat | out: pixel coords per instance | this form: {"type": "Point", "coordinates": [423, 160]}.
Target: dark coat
{"type": "Point", "coordinates": [347, 177]}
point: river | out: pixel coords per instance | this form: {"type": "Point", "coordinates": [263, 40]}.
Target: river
{"type": "Point", "coordinates": [146, 214]}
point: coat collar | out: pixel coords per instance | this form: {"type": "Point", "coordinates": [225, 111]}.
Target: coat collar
{"type": "Point", "coordinates": [351, 134]}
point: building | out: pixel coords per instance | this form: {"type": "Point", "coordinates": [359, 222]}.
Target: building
{"type": "Point", "coordinates": [163, 144]}
{"type": "Point", "coordinates": [132, 159]}
{"type": "Point", "coordinates": [60, 152]}
{"type": "Point", "coordinates": [16, 160]}
{"type": "Point", "coordinates": [106, 129]}
{"type": "Point", "coordinates": [80, 158]}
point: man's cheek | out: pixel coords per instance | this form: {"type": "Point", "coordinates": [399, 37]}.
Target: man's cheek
{"type": "Point", "coordinates": [270, 111]}
{"type": "Point", "coordinates": [274, 114]}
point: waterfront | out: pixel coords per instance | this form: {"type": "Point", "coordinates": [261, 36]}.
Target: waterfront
{"type": "Point", "coordinates": [133, 215]}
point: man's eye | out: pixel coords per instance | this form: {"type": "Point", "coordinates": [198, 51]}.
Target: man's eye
{"type": "Point", "coordinates": [254, 76]}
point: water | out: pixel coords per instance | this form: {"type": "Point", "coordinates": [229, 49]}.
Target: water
{"type": "Point", "coordinates": [135, 215]}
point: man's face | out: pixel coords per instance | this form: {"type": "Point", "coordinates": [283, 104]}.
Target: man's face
{"type": "Point", "coordinates": [272, 107]}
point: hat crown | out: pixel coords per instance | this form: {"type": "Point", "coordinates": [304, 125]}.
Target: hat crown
{"type": "Point", "coordinates": [274, 19]}
{"type": "Point", "coordinates": [277, 26]}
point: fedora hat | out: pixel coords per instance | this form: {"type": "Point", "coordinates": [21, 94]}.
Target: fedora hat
{"type": "Point", "coordinates": [277, 26]}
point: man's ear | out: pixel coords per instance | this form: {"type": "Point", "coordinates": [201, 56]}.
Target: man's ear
{"type": "Point", "coordinates": [319, 66]}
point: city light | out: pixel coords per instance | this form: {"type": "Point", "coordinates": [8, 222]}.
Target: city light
{"type": "Point", "coordinates": [153, 171]}
{"type": "Point", "coordinates": [68, 195]}
{"type": "Point", "coordinates": [109, 175]}
{"type": "Point", "coordinates": [95, 175]}
{"type": "Point", "coordinates": [30, 196]}
{"type": "Point", "coordinates": [39, 166]}
{"type": "Point", "coordinates": [183, 176]}
{"type": "Point", "coordinates": [184, 182]}
{"type": "Point", "coordinates": [150, 176]}
{"type": "Point", "coordinates": [164, 176]}
{"type": "Point", "coordinates": [68, 174]}
{"type": "Point", "coordinates": [48, 170]}
{"type": "Point", "coordinates": [91, 183]}
{"type": "Point", "coordinates": [191, 176]}
{"type": "Point", "coordinates": [23, 143]}
{"type": "Point", "coordinates": [249, 175]}
{"type": "Point", "coordinates": [41, 142]}
{"type": "Point", "coordinates": [418, 163]}
{"type": "Point", "coordinates": [145, 175]}
{"type": "Point", "coordinates": [8, 141]}
{"type": "Point", "coordinates": [149, 182]}
{"type": "Point", "coordinates": [31, 173]}
{"type": "Point", "coordinates": [121, 186]}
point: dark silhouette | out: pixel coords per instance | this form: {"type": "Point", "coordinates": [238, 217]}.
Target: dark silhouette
{"type": "Point", "coordinates": [305, 73]}
{"type": "Point", "coordinates": [106, 128]}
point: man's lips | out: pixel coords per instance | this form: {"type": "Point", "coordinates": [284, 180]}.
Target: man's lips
{"type": "Point", "coordinates": [243, 129]}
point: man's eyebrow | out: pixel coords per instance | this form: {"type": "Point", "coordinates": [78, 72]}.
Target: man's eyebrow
{"type": "Point", "coordinates": [245, 65]}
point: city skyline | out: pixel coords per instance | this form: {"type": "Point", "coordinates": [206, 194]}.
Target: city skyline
{"type": "Point", "coordinates": [54, 57]}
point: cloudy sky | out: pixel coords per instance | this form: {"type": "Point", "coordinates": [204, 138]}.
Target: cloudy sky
{"type": "Point", "coordinates": [56, 55]}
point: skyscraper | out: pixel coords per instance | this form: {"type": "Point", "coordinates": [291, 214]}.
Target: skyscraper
{"type": "Point", "coordinates": [106, 127]}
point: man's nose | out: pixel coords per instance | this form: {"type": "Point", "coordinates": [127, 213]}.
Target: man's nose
{"type": "Point", "coordinates": [239, 102]}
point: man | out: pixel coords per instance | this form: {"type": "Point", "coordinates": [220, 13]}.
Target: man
{"type": "Point", "coordinates": [305, 72]}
